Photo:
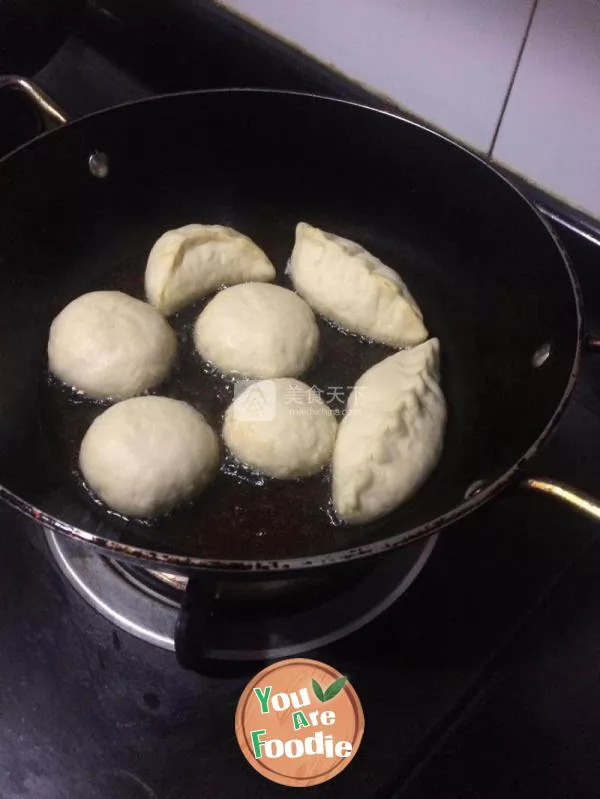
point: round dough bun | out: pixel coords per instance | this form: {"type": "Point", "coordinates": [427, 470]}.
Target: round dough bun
{"type": "Point", "coordinates": [281, 428]}
{"type": "Point", "coordinates": [110, 346]}
{"type": "Point", "coordinates": [257, 330]}
{"type": "Point", "coordinates": [145, 455]}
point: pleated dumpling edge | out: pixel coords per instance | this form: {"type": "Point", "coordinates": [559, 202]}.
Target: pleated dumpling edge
{"type": "Point", "coordinates": [348, 285]}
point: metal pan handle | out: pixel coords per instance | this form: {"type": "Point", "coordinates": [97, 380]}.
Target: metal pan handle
{"type": "Point", "coordinates": [584, 503]}
{"type": "Point", "coordinates": [53, 116]}
{"type": "Point", "coordinates": [52, 113]}
{"type": "Point", "coordinates": [579, 500]}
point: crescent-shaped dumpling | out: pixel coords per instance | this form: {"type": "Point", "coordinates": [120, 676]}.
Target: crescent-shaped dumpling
{"type": "Point", "coordinates": [391, 437]}
{"type": "Point", "coordinates": [191, 261]}
{"type": "Point", "coordinates": [346, 284]}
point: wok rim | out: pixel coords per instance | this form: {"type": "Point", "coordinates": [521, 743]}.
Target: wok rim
{"type": "Point", "coordinates": [179, 562]}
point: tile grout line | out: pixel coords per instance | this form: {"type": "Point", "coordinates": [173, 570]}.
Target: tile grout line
{"type": "Point", "coordinates": [512, 79]}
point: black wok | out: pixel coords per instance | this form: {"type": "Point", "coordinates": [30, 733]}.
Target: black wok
{"type": "Point", "coordinates": [81, 206]}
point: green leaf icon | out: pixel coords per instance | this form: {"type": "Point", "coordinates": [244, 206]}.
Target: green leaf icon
{"type": "Point", "coordinates": [318, 691]}
{"type": "Point", "coordinates": [335, 688]}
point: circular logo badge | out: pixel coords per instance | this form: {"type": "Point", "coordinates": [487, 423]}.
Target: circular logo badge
{"type": "Point", "coordinates": [299, 722]}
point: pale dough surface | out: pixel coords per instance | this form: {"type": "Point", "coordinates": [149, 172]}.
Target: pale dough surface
{"type": "Point", "coordinates": [110, 346]}
{"type": "Point", "coordinates": [348, 285]}
{"type": "Point", "coordinates": [391, 437]}
{"type": "Point", "coordinates": [257, 330]}
{"type": "Point", "coordinates": [146, 455]}
{"type": "Point", "coordinates": [281, 428]}
{"type": "Point", "coordinates": [191, 261]}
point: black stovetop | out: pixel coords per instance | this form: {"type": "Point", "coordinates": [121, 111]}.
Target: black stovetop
{"type": "Point", "coordinates": [490, 662]}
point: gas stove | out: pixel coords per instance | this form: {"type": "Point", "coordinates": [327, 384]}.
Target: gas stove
{"type": "Point", "coordinates": [146, 602]}
{"type": "Point", "coordinates": [484, 639]}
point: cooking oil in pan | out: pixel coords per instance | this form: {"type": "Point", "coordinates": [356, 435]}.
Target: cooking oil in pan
{"type": "Point", "coordinates": [242, 514]}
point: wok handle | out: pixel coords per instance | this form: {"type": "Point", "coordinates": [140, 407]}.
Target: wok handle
{"type": "Point", "coordinates": [584, 503]}
{"type": "Point", "coordinates": [191, 629]}
{"type": "Point", "coordinates": [579, 500]}
{"type": "Point", "coordinates": [51, 112]}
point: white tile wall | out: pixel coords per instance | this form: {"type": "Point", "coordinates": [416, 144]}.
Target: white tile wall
{"type": "Point", "coordinates": [551, 129]}
{"type": "Point", "coordinates": [447, 61]}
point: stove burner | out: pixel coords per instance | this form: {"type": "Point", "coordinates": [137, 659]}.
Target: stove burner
{"type": "Point", "coordinates": [164, 586]}
{"type": "Point", "coordinates": [145, 603]}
